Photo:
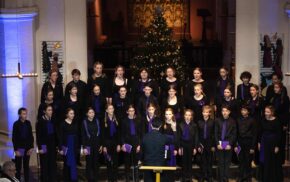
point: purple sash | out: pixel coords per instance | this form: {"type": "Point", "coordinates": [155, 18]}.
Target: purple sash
{"type": "Point", "coordinates": [185, 133]}
{"type": "Point", "coordinates": [172, 159]}
{"type": "Point", "coordinates": [132, 127]}
{"type": "Point", "coordinates": [70, 157]}
{"type": "Point", "coordinates": [50, 129]}
{"type": "Point", "coordinates": [113, 129]}
{"type": "Point", "coordinates": [150, 124]}
{"type": "Point", "coordinates": [97, 105]}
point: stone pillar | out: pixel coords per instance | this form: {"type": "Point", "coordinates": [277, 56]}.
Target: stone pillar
{"type": "Point", "coordinates": [75, 38]}
{"type": "Point", "coordinates": [247, 39]}
{"type": "Point", "coordinates": [17, 44]}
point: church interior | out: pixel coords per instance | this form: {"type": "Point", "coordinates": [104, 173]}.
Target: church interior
{"type": "Point", "coordinates": [237, 36]}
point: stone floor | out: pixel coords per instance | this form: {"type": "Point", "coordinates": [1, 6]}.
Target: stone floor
{"type": "Point", "coordinates": [81, 173]}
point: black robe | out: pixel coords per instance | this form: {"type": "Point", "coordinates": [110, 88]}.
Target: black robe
{"type": "Point", "coordinates": [221, 85]}
{"type": "Point", "coordinates": [45, 139]}
{"type": "Point", "coordinates": [243, 93]}
{"type": "Point", "coordinates": [270, 137]}
{"type": "Point", "coordinates": [196, 106]}
{"type": "Point", "coordinates": [103, 83]}
{"type": "Point", "coordinates": [57, 92]}
{"type": "Point", "coordinates": [165, 85]}
{"type": "Point", "coordinates": [177, 108]}
{"type": "Point", "coordinates": [189, 88]}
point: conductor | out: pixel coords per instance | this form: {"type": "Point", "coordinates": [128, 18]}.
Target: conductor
{"type": "Point", "coordinates": [153, 149]}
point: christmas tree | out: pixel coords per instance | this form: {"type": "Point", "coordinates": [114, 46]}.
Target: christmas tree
{"type": "Point", "coordinates": [158, 50]}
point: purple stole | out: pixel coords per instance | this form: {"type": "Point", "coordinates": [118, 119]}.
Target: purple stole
{"type": "Point", "coordinates": [132, 127]}
{"type": "Point", "coordinates": [49, 126]}
{"type": "Point", "coordinates": [149, 124]}
{"type": "Point", "coordinates": [113, 128]}
{"type": "Point", "coordinates": [224, 130]}
{"type": "Point", "coordinates": [186, 132]}
{"type": "Point", "coordinates": [172, 160]}
{"type": "Point", "coordinates": [97, 104]}
{"type": "Point", "coordinates": [70, 157]}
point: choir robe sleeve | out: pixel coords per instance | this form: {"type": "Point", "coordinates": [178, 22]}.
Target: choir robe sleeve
{"type": "Point", "coordinates": [43, 91]}
{"type": "Point", "coordinates": [254, 133]}
{"type": "Point", "coordinates": [213, 135]}
{"type": "Point", "coordinates": [124, 131]}
{"type": "Point", "coordinates": [84, 135]}
{"type": "Point", "coordinates": [233, 132]}
{"type": "Point", "coordinates": [217, 132]}
{"type": "Point", "coordinates": [60, 136]}
{"type": "Point", "coordinates": [31, 138]}
{"type": "Point", "coordinates": [39, 134]}
{"type": "Point", "coordinates": [177, 135]}
{"type": "Point", "coordinates": [15, 138]}
{"type": "Point", "coordinates": [284, 117]}
{"type": "Point", "coordinates": [195, 136]}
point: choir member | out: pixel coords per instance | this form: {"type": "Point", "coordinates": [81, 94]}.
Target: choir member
{"type": "Point", "coordinates": [174, 102]}
{"type": "Point", "coordinates": [22, 139]}
{"type": "Point", "coordinates": [255, 103]}
{"type": "Point", "coordinates": [73, 101]}
{"type": "Point", "coordinates": [45, 139]}
{"type": "Point", "coordinates": [81, 86]}
{"type": "Point", "coordinates": [98, 102]}
{"type": "Point", "coordinates": [225, 138]}
{"type": "Point", "coordinates": [188, 144]}
{"type": "Point", "coordinates": [197, 101]}
{"type": "Point", "coordinates": [246, 142]}
{"type": "Point", "coordinates": [197, 79]}
{"type": "Point", "coordinates": [141, 82]}
{"type": "Point", "coordinates": [112, 142]}
{"type": "Point", "coordinates": [120, 80]}
{"type": "Point", "coordinates": [48, 100]}
{"type": "Point", "coordinates": [269, 145]}
{"type": "Point", "coordinates": [121, 103]}
{"type": "Point", "coordinates": [131, 139]}
{"type": "Point", "coordinates": [99, 78]}
{"type": "Point", "coordinates": [228, 100]}
{"type": "Point", "coordinates": [243, 90]}
{"type": "Point", "coordinates": [224, 81]}
{"type": "Point", "coordinates": [206, 143]}
{"type": "Point", "coordinates": [151, 113]}
{"type": "Point", "coordinates": [69, 145]}
{"type": "Point", "coordinates": [171, 130]}
{"type": "Point", "coordinates": [92, 144]}
{"type": "Point", "coordinates": [170, 79]}
{"type": "Point", "coordinates": [281, 103]}
{"type": "Point", "coordinates": [145, 100]}
{"type": "Point", "coordinates": [52, 84]}
{"type": "Point", "coordinates": [270, 89]}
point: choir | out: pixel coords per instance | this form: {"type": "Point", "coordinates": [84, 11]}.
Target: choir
{"type": "Point", "coordinates": [108, 118]}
